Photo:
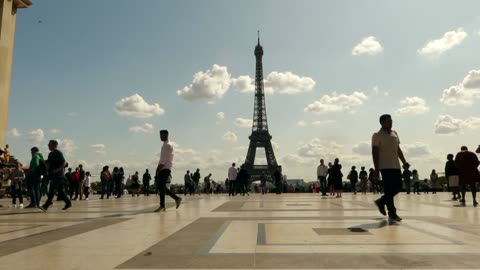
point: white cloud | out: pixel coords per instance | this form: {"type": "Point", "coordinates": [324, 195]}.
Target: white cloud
{"type": "Point", "coordinates": [277, 83]}
{"type": "Point", "coordinates": [413, 105]}
{"type": "Point", "coordinates": [417, 149]}
{"type": "Point", "coordinates": [287, 83]}
{"type": "Point", "coordinates": [244, 84]}
{"type": "Point", "coordinates": [230, 136]}
{"type": "Point", "coordinates": [99, 148]}
{"type": "Point", "coordinates": [14, 133]}
{"type": "Point", "coordinates": [337, 103]}
{"type": "Point", "coordinates": [54, 131]}
{"type": "Point", "coordinates": [220, 116]}
{"type": "Point", "coordinates": [244, 123]}
{"type": "Point", "coordinates": [210, 84]}
{"type": "Point", "coordinates": [302, 123]}
{"type": "Point", "coordinates": [464, 93]}
{"type": "Point", "coordinates": [368, 45]}
{"type": "Point", "coordinates": [67, 146]}
{"type": "Point", "coordinates": [137, 107]}
{"type": "Point", "coordinates": [447, 124]}
{"type": "Point", "coordinates": [449, 40]}
{"type": "Point", "coordinates": [73, 114]}
{"type": "Point", "coordinates": [145, 128]}
{"type": "Point", "coordinates": [323, 122]}
{"type": "Point", "coordinates": [362, 148]}
{"type": "Point", "coordinates": [36, 136]}
{"type": "Point", "coordinates": [319, 148]}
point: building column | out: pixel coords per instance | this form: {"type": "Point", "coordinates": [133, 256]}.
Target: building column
{"type": "Point", "coordinates": [8, 12]}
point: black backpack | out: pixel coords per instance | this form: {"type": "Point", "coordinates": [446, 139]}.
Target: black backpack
{"type": "Point", "coordinates": [41, 169]}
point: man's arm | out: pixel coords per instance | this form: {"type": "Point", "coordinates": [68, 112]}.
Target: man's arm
{"type": "Point", "coordinates": [376, 160]}
{"type": "Point", "coordinates": [401, 156]}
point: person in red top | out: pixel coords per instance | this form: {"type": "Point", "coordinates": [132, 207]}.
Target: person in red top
{"type": "Point", "coordinates": [76, 182]}
{"type": "Point", "coordinates": [467, 163]}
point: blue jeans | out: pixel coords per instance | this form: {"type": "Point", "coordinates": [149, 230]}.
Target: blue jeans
{"type": "Point", "coordinates": [323, 184]}
{"type": "Point", "coordinates": [33, 186]}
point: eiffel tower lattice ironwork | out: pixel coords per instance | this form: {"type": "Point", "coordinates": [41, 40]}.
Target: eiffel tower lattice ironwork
{"type": "Point", "coordinates": [260, 137]}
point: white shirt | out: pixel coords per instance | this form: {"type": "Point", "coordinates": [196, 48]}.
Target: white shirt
{"type": "Point", "coordinates": [232, 174]}
{"type": "Point", "coordinates": [388, 145]}
{"type": "Point", "coordinates": [86, 181]}
{"type": "Point", "coordinates": [166, 156]}
{"type": "Point", "coordinates": [322, 170]}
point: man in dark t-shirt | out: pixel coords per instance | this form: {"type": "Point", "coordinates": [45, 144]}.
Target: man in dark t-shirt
{"type": "Point", "coordinates": [56, 172]}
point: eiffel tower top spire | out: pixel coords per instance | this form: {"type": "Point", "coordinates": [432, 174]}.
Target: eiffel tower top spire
{"type": "Point", "coordinates": [260, 110]}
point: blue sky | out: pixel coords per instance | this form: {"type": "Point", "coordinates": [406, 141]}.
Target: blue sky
{"type": "Point", "coordinates": [333, 68]}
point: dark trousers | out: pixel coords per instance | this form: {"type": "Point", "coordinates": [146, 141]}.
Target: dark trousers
{"type": "Point", "coordinates": [162, 187]}
{"type": "Point", "coordinates": [57, 185]}
{"type": "Point", "coordinates": [323, 184]}
{"type": "Point", "coordinates": [118, 188]}
{"type": "Point", "coordinates": [106, 189]}
{"type": "Point", "coordinates": [407, 186]}
{"type": "Point", "coordinates": [33, 187]}
{"type": "Point", "coordinates": [146, 187]}
{"type": "Point", "coordinates": [74, 190]}
{"type": "Point", "coordinates": [17, 192]}
{"type": "Point", "coordinates": [86, 191]}
{"type": "Point", "coordinates": [392, 185]}
{"type": "Point", "coordinates": [232, 188]}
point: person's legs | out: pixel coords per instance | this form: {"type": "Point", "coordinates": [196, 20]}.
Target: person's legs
{"type": "Point", "coordinates": [86, 192]}
{"type": "Point", "coordinates": [14, 195]}
{"type": "Point", "coordinates": [63, 195]}
{"type": "Point", "coordinates": [392, 180]}
{"type": "Point", "coordinates": [51, 192]}
{"type": "Point", "coordinates": [36, 193]}
{"type": "Point", "coordinates": [162, 182]}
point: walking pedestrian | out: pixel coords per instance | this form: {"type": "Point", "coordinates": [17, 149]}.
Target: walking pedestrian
{"type": "Point", "coordinates": [36, 171]}
{"type": "Point", "coordinates": [17, 176]}
{"type": "Point", "coordinates": [86, 185]}
{"type": "Point", "coordinates": [135, 187]}
{"type": "Point", "coordinates": [434, 181]}
{"type": "Point", "coordinates": [416, 182]}
{"type": "Point", "coordinates": [164, 171]}
{"type": "Point", "coordinates": [337, 177]}
{"type": "Point", "coordinates": [106, 182]}
{"type": "Point", "coordinates": [322, 171]}
{"type": "Point", "coordinates": [451, 172]}
{"type": "Point", "coordinates": [353, 177]}
{"type": "Point", "coordinates": [146, 183]}
{"type": "Point", "coordinates": [232, 180]}
{"type": "Point", "coordinates": [363, 175]}
{"type": "Point", "coordinates": [407, 175]}
{"type": "Point", "coordinates": [56, 172]}
{"type": "Point", "coordinates": [386, 153]}
{"type": "Point", "coordinates": [467, 163]}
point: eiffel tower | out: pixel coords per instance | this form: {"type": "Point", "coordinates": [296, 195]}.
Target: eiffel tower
{"type": "Point", "coordinates": [260, 137]}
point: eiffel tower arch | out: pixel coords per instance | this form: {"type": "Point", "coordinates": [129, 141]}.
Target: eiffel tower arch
{"type": "Point", "coordinates": [260, 137]}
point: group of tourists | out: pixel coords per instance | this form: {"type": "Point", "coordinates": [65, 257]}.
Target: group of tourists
{"type": "Point", "coordinates": [193, 186]}
{"type": "Point", "coordinates": [74, 184]}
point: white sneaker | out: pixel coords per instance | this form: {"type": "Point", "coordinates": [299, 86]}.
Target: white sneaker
{"type": "Point", "coordinates": [86, 199]}
{"type": "Point", "coordinates": [14, 205]}
{"type": "Point", "coordinates": [21, 205]}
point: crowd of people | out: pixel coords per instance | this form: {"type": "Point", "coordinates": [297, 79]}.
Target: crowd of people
{"type": "Point", "coordinates": [47, 177]}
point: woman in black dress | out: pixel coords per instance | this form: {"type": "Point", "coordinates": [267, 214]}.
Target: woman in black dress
{"type": "Point", "coordinates": [337, 176]}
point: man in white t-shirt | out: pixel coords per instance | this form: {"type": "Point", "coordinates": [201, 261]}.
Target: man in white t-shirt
{"type": "Point", "coordinates": [164, 170]}
{"type": "Point", "coordinates": [232, 180]}
{"type": "Point", "coordinates": [322, 171]}
{"type": "Point", "coordinates": [386, 152]}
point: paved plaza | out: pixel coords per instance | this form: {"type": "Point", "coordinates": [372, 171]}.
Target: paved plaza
{"type": "Point", "coordinates": [290, 231]}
